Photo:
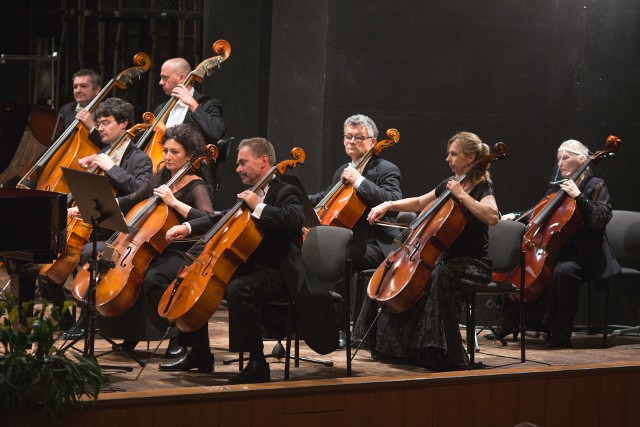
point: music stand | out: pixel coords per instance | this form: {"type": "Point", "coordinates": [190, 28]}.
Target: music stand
{"type": "Point", "coordinates": [94, 197]}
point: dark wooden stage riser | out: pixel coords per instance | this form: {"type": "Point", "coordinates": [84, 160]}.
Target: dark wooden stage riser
{"type": "Point", "coordinates": [585, 396]}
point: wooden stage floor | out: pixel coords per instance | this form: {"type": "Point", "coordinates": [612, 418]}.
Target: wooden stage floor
{"type": "Point", "coordinates": [584, 385]}
{"type": "Point", "coordinates": [587, 349]}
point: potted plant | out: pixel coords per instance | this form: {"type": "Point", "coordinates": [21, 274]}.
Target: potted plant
{"type": "Point", "coordinates": [33, 377]}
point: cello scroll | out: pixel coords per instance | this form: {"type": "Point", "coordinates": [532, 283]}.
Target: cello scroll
{"type": "Point", "coordinates": [298, 159]}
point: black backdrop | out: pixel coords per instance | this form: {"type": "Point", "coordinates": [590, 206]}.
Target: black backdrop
{"type": "Point", "coordinates": [530, 74]}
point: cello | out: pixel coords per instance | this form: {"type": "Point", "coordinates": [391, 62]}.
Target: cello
{"type": "Point", "coordinates": [150, 140]}
{"type": "Point", "coordinates": [341, 206]}
{"type": "Point", "coordinates": [149, 221]}
{"type": "Point", "coordinates": [74, 143]}
{"type": "Point", "coordinates": [78, 231]}
{"type": "Point", "coordinates": [195, 294]}
{"type": "Point", "coordinates": [554, 221]}
{"type": "Point", "coordinates": [399, 282]}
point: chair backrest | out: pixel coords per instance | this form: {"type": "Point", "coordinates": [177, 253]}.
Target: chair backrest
{"type": "Point", "coordinates": [505, 245]}
{"type": "Point", "coordinates": [324, 251]}
{"type": "Point", "coordinates": [406, 217]}
{"type": "Point", "coordinates": [623, 233]}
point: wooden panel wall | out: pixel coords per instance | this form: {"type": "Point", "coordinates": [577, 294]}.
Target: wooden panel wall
{"type": "Point", "coordinates": [582, 398]}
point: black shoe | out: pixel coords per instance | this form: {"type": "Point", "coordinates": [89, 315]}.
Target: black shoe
{"type": "Point", "coordinates": [202, 360]}
{"type": "Point", "coordinates": [504, 329]}
{"type": "Point", "coordinates": [254, 372]}
{"type": "Point", "coordinates": [174, 350]}
{"type": "Point", "coordinates": [553, 343]}
{"type": "Point", "coordinates": [73, 334]}
{"type": "Point", "coordinates": [127, 345]}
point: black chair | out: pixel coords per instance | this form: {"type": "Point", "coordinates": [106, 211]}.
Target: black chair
{"type": "Point", "coordinates": [325, 254]}
{"type": "Point", "coordinates": [623, 233]}
{"type": "Point", "coordinates": [505, 251]}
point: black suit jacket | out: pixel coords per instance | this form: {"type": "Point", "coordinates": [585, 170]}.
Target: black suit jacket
{"type": "Point", "coordinates": [207, 117]}
{"type": "Point", "coordinates": [68, 113]}
{"type": "Point", "coordinates": [135, 170]}
{"type": "Point", "coordinates": [381, 184]}
{"type": "Point", "coordinates": [281, 220]}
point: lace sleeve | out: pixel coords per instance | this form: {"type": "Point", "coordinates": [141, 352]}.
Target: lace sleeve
{"type": "Point", "coordinates": [200, 198]}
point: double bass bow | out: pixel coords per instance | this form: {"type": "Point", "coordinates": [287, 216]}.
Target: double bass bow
{"type": "Point", "coordinates": [399, 282]}
{"type": "Point", "coordinates": [78, 231]}
{"type": "Point", "coordinates": [150, 140]}
{"type": "Point", "coordinates": [554, 221]}
{"type": "Point", "coordinates": [74, 142]}
{"type": "Point", "coordinates": [195, 294]}
{"type": "Point", "coordinates": [341, 206]}
{"type": "Point", "coordinates": [148, 221]}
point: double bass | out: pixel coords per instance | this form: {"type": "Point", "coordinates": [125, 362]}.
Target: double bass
{"type": "Point", "coordinates": [554, 221]}
{"type": "Point", "coordinates": [78, 231]}
{"type": "Point", "coordinates": [148, 221]}
{"type": "Point", "coordinates": [399, 282]}
{"type": "Point", "coordinates": [341, 206]}
{"type": "Point", "coordinates": [195, 294]}
{"type": "Point", "coordinates": [150, 140]}
{"type": "Point", "coordinates": [74, 142]}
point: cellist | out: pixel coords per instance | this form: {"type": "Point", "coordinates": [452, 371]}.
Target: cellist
{"type": "Point", "coordinates": [128, 169]}
{"type": "Point", "coordinates": [584, 257]}
{"type": "Point", "coordinates": [377, 182]}
{"type": "Point", "coordinates": [189, 198]}
{"type": "Point", "coordinates": [428, 333]}
{"type": "Point", "coordinates": [272, 270]}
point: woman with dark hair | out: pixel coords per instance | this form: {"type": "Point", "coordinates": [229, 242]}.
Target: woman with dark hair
{"type": "Point", "coordinates": [190, 198]}
{"type": "Point", "coordinates": [428, 333]}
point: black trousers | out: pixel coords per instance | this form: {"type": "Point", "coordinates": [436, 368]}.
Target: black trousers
{"type": "Point", "coordinates": [246, 295]}
{"type": "Point", "coordinates": [555, 310]}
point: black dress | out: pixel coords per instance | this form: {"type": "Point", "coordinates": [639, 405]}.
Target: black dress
{"type": "Point", "coordinates": [142, 322]}
{"type": "Point", "coordinates": [428, 334]}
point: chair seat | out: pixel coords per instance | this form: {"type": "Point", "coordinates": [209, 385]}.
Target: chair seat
{"type": "Point", "coordinates": [497, 288]}
{"type": "Point", "coordinates": [336, 297]}
{"type": "Point", "coordinates": [629, 273]}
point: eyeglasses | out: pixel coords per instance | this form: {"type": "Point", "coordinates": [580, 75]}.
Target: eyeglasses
{"type": "Point", "coordinates": [358, 138]}
{"type": "Point", "coordinates": [104, 123]}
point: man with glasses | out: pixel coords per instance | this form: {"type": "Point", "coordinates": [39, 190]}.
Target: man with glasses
{"type": "Point", "coordinates": [378, 181]}
{"type": "Point", "coordinates": [128, 168]}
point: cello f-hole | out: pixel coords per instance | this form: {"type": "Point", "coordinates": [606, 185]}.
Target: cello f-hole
{"type": "Point", "coordinates": [206, 267]}
{"type": "Point", "coordinates": [122, 263]}
{"type": "Point", "coordinates": [415, 250]}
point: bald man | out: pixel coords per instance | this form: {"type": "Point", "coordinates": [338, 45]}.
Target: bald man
{"type": "Point", "coordinates": [194, 108]}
